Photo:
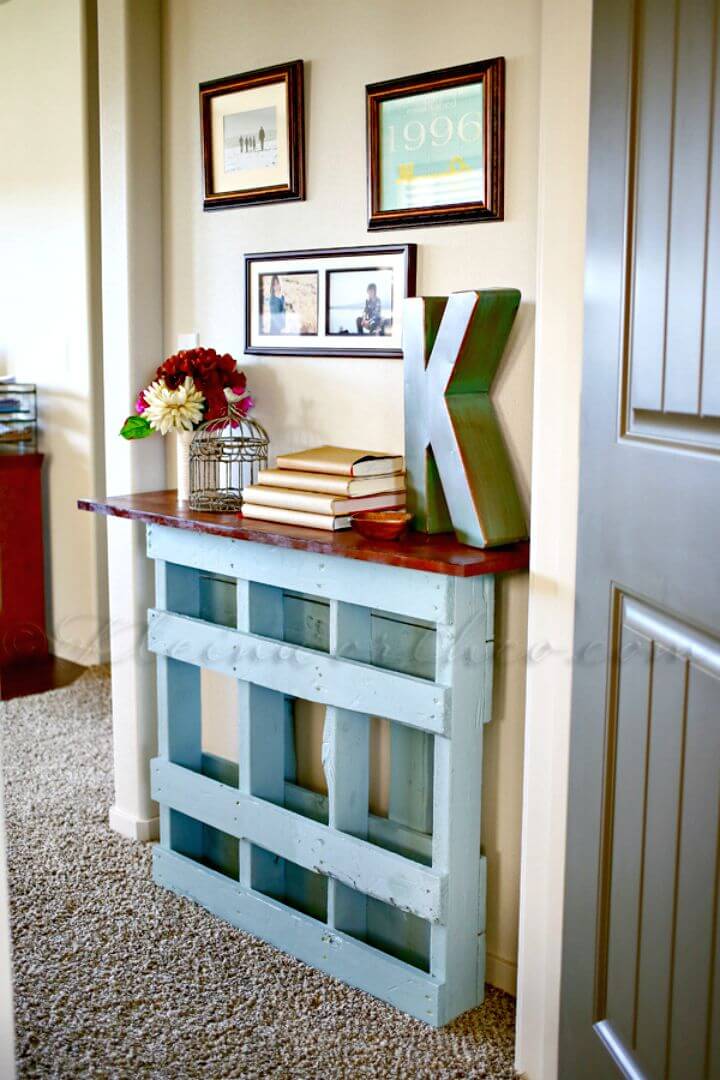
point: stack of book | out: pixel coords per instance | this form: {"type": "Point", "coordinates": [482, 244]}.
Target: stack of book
{"type": "Point", "coordinates": [323, 487]}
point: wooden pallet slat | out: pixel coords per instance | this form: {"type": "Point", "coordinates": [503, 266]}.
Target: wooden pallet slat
{"type": "Point", "coordinates": [178, 704]}
{"type": "Point", "coordinates": [383, 831]}
{"type": "Point", "coordinates": [301, 672]}
{"type": "Point", "coordinates": [261, 736]}
{"type": "Point", "coordinates": [346, 762]}
{"type": "Point", "coordinates": [333, 952]}
{"type": "Point", "coordinates": [358, 864]}
{"type": "Point", "coordinates": [388, 588]}
{"type": "Point", "coordinates": [456, 951]}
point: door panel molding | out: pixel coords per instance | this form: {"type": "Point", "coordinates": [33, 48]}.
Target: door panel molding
{"type": "Point", "coordinates": [618, 1052]}
{"type": "Point", "coordinates": [657, 925]}
{"type": "Point", "coordinates": [670, 391]}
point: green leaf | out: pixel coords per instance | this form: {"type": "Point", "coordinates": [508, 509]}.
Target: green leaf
{"type": "Point", "coordinates": [136, 427]}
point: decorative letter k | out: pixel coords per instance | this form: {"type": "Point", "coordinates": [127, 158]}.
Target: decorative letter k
{"type": "Point", "coordinates": [458, 470]}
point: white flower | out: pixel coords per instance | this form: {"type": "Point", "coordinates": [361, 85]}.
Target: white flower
{"type": "Point", "coordinates": [173, 410]}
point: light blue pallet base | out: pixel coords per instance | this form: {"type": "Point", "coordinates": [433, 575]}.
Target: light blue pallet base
{"type": "Point", "coordinates": [337, 954]}
{"type": "Point", "coordinates": [394, 906]}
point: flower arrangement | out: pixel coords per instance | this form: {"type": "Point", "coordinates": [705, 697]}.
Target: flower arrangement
{"type": "Point", "coordinates": [192, 386]}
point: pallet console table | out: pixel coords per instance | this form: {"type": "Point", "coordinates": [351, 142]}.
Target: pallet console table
{"type": "Point", "coordinates": [393, 905]}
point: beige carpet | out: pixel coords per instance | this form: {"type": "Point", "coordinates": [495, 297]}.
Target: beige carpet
{"type": "Point", "coordinates": [115, 977]}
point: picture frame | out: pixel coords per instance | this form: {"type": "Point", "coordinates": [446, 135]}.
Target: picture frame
{"type": "Point", "coordinates": [343, 301]}
{"type": "Point", "coordinates": [253, 137]}
{"type": "Point", "coordinates": [436, 147]}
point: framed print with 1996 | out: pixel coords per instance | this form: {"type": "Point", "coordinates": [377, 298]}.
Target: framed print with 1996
{"type": "Point", "coordinates": [435, 146]}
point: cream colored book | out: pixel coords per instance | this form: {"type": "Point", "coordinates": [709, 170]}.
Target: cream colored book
{"type": "Point", "coordinates": [295, 517]}
{"type": "Point", "coordinates": [348, 487]}
{"type": "Point", "coordinates": [315, 502]}
{"type": "Point", "coordinates": [341, 461]}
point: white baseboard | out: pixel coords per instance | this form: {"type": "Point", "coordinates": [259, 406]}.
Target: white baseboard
{"type": "Point", "coordinates": [89, 656]}
{"type": "Point", "coordinates": [134, 828]}
{"type": "Point", "coordinates": [501, 973]}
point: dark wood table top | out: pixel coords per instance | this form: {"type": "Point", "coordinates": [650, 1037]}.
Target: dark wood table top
{"type": "Point", "coordinates": [439, 554]}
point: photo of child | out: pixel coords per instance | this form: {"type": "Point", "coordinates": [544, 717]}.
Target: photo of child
{"type": "Point", "coordinates": [360, 302]}
{"type": "Point", "coordinates": [289, 303]}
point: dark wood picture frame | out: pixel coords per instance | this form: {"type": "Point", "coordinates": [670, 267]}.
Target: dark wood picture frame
{"type": "Point", "coordinates": [292, 74]}
{"type": "Point", "coordinates": [315, 257]}
{"type": "Point", "coordinates": [492, 74]}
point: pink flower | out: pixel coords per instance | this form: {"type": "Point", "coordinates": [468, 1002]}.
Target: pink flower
{"type": "Point", "coordinates": [243, 407]}
{"type": "Point", "coordinates": [140, 404]}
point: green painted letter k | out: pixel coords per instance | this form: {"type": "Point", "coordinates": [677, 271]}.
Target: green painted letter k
{"type": "Point", "coordinates": [459, 472]}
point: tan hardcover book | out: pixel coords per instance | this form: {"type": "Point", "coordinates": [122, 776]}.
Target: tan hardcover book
{"type": "Point", "coordinates": [315, 502]}
{"type": "Point", "coordinates": [295, 517]}
{"type": "Point", "coordinates": [343, 486]}
{"type": "Point", "coordinates": [341, 461]}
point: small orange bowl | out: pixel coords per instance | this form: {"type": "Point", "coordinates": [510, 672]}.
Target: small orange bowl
{"type": "Point", "coordinates": [381, 524]}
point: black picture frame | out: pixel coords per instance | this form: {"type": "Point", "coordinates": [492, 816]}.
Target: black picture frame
{"type": "Point", "coordinates": [491, 73]}
{"type": "Point", "coordinates": [292, 75]}
{"type": "Point", "coordinates": [327, 261]}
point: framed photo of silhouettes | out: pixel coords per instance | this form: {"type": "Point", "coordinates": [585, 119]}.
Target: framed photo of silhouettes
{"type": "Point", "coordinates": [253, 137]}
{"type": "Point", "coordinates": [330, 301]}
{"type": "Point", "coordinates": [435, 147]}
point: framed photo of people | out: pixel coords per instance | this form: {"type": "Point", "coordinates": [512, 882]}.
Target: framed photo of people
{"type": "Point", "coordinates": [331, 301]}
{"type": "Point", "coordinates": [435, 146]}
{"type": "Point", "coordinates": [253, 137]}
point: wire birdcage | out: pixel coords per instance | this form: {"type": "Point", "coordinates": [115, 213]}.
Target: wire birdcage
{"type": "Point", "coordinates": [225, 456]}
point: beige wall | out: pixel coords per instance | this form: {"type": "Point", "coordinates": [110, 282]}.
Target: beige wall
{"type": "Point", "coordinates": [47, 291]}
{"type": "Point", "coordinates": [350, 401]}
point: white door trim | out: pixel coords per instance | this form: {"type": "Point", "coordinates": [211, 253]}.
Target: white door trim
{"type": "Point", "coordinates": [129, 53]}
{"type": "Point", "coordinates": [562, 203]}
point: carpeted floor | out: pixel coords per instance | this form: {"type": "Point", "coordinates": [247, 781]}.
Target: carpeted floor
{"type": "Point", "coordinates": [117, 978]}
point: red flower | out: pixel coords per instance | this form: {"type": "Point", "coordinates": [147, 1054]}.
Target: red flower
{"type": "Point", "coordinates": [216, 404]}
{"type": "Point", "coordinates": [211, 372]}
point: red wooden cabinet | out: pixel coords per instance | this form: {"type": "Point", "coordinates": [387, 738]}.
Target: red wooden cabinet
{"type": "Point", "coordinates": [22, 586]}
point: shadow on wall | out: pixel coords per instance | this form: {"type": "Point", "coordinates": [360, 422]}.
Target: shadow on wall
{"type": "Point", "coordinates": [307, 430]}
